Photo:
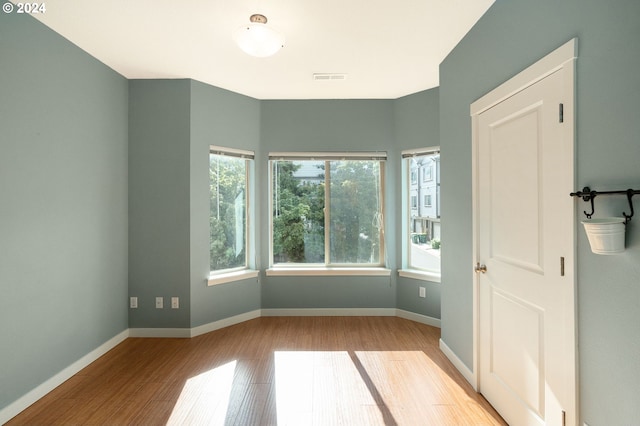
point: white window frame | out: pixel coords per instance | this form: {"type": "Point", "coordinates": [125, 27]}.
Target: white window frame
{"type": "Point", "coordinates": [248, 270]}
{"type": "Point", "coordinates": [428, 200]}
{"type": "Point", "coordinates": [328, 269]}
{"type": "Point", "coordinates": [407, 269]}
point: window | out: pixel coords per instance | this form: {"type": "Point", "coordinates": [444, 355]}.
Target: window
{"type": "Point", "coordinates": [327, 209]}
{"type": "Point", "coordinates": [228, 214]}
{"type": "Point", "coordinates": [414, 177]}
{"type": "Point", "coordinates": [427, 173]}
{"type": "Point", "coordinates": [422, 235]}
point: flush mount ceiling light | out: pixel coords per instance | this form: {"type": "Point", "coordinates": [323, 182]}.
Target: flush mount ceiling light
{"type": "Point", "coordinates": [256, 39]}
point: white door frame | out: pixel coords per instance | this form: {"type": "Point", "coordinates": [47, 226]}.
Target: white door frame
{"type": "Point", "coordinates": [560, 60]}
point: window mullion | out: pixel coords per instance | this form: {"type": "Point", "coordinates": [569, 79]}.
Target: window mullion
{"type": "Point", "coordinates": [247, 218]}
{"type": "Point", "coordinates": [381, 206]}
{"type": "Point", "coordinates": [327, 213]}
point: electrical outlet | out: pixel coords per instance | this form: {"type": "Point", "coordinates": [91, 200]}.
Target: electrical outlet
{"type": "Point", "coordinates": [423, 292]}
{"type": "Point", "coordinates": [159, 303]}
{"type": "Point", "coordinates": [133, 302]}
{"type": "Point", "coordinates": [175, 303]}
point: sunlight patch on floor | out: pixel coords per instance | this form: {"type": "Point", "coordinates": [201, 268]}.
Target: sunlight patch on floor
{"type": "Point", "coordinates": [322, 387]}
{"type": "Point", "coordinates": [205, 398]}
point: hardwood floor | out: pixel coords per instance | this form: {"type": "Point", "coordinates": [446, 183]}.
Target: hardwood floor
{"type": "Point", "coordinates": [272, 371]}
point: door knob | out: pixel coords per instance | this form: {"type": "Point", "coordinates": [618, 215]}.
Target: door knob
{"type": "Point", "coordinates": [480, 268]}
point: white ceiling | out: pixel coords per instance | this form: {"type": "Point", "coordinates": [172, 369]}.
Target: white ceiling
{"type": "Point", "coordinates": [388, 48]}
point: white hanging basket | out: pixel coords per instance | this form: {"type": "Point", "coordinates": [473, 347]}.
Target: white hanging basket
{"type": "Point", "coordinates": [606, 235]}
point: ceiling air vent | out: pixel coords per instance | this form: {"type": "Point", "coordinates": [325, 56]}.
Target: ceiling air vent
{"type": "Point", "coordinates": [329, 76]}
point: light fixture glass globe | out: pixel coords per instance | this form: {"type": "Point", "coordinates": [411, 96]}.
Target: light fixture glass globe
{"type": "Point", "coordinates": [256, 39]}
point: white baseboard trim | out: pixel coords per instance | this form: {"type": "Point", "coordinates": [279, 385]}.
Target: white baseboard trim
{"type": "Point", "coordinates": [460, 366]}
{"type": "Point", "coordinates": [184, 333]}
{"type": "Point", "coordinates": [423, 319]}
{"type": "Point", "coordinates": [15, 408]}
{"type": "Point", "coordinates": [217, 325]}
{"type": "Point", "coordinates": [330, 312]}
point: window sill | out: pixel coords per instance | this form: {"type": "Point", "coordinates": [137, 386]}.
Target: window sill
{"type": "Point", "coordinates": [417, 274]}
{"type": "Point", "coordinates": [322, 271]}
{"type": "Point", "coordinates": [228, 277]}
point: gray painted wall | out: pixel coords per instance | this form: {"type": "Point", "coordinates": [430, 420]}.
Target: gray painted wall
{"type": "Point", "coordinates": [218, 117]}
{"type": "Point", "coordinates": [329, 125]}
{"type": "Point", "coordinates": [172, 124]}
{"type": "Point", "coordinates": [511, 36]}
{"type": "Point", "coordinates": [159, 188]}
{"type": "Point", "coordinates": [417, 125]}
{"type": "Point", "coordinates": [63, 204]}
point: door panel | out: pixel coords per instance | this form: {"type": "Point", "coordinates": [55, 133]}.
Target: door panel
{"type": "Point", "coordinates": [516, 230]}
{"type": "Point", "coordinates": [516, 345]}
{"type": "Point", "coordinates": [521, 237]}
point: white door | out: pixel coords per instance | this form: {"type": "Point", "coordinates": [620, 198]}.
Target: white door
{"type": "Point", "coordinates": [525, 239]}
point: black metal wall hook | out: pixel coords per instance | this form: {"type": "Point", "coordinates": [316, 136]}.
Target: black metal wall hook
{"type": "Point", "coordinates": [588, 195]}
{"type": "Point", "coordinates": [627, 217]}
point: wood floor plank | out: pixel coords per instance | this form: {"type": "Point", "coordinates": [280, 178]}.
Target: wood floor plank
{"type": "Point", "coordinates": [154, 413]}
{"type": "Point", "coordinates": [273, 371]}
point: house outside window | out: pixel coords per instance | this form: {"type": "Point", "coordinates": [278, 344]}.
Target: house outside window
{"type": "Point", "coordinates": [228, 214]}
{"type": "Point", "coordinates": [326, 209]}
{"type": "Point", "coordinates": [422, 238]}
